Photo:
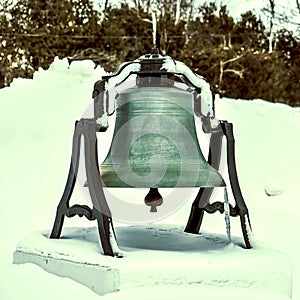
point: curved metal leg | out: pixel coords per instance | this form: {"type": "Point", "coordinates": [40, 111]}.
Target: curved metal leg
{"type": "Point", "coordinates": [241, 208]}
{"type": "Point", "coordinates": [197, 210]}
{"type": "Point", "coordinates": [247, 231]}
{"type": "Point", "coordinates": [62, 208]}
{"type": "Point", "coordinates": [101, 210]}
{"type": "Point", "coordinates": [201, 203]}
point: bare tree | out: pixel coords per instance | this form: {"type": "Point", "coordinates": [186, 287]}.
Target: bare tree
{"type": "Point", "coordinates": [239, 72]}
{"type": "Point", "coordinates": [153, 8]}
{"type": "Point", "coordinates": [177, 14]}
{"type": "Point", "coordinates": [270, 11]}
{"type": "Point", "coordinates": [271, 36]}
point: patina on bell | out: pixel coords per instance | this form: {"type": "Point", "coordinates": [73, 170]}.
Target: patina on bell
{"type": "Point", "coordinates": [155, 144]}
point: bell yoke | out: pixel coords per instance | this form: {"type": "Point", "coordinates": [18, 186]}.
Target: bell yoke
{"type": "Point", "coordinates": [154, 145]}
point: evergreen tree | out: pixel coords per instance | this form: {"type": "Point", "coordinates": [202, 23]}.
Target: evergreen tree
{"type": "Point", "coordinates": [39, 30]}
{"type": "Point", "coordinates": [249, 33]}
{"type": "Point", "coordinates": [126, 34]}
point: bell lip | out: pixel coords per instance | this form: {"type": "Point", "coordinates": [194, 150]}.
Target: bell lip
{"type": "Point", "coordinates": [164, 186]}
{"type": "Point", "coordinates": [111, 179]}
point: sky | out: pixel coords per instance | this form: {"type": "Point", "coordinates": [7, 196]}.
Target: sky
{"type": "Point", "coordinates": [238, 7]}
{"type": "Point", "coordinates": [285, 7]}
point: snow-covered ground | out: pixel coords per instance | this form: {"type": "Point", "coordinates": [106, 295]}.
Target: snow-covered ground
{"type": "Point", "coordinates": [36, 126]}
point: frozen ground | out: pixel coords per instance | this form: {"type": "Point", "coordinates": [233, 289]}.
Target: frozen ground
{"type": "Point", "coordinates": [160, 255]}
{"type": "Point", "coordinates": [36, 125]}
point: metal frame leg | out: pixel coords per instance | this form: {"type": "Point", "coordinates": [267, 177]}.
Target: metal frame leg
{"type": "Point", "coordinates": [201, 203]}
{"type": "Point", "coordinates": [240, 208]}
{"type": "Point", "coordinates": [100, 211]}
{"type": "Point", "coordinates": [63, 206]}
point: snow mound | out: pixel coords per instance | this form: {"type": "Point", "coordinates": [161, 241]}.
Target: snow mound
{"type": "Point", "coordinates": [158, 255]}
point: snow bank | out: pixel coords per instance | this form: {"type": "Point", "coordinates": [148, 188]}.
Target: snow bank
{"type": "Point", "coordinates": [160, 256]}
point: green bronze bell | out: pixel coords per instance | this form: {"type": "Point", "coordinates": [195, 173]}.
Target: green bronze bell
{"type": "Point", "coordinates": [155, 144]}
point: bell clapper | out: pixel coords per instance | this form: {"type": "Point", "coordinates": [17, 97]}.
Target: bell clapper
{"type": "Point", "coordinates": [153, 199]}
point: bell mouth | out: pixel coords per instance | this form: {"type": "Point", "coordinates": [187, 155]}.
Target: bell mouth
{"type": "Point", "coordinates": [124, 177]}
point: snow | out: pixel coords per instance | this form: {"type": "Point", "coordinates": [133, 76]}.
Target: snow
{"type": "Point", "coordinates": [177, 255]}
{"type": "Point", "coordinates": [178, 67]}
{"type": "Point", "coordinates": [36, 126]}
{"type": "Point", "coordinates": [227, 214]}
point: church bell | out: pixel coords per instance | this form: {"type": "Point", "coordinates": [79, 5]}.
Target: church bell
{"type": "Point", "coordinates": [155, 143]}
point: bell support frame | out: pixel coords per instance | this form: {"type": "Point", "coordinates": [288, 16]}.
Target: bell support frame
{"type": "Point", "coordinates": [202, 202]}
{"type": "Point", "coordinates": [149, 64]}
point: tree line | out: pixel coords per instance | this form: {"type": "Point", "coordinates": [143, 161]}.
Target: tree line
{"type": "Point", "coordinates": [240, 58]}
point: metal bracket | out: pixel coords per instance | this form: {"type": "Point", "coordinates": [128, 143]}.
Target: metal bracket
{"type": "Point", "coordinates": [100, 210]}
{"type": "Point", "coordinates": [201, 203]}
